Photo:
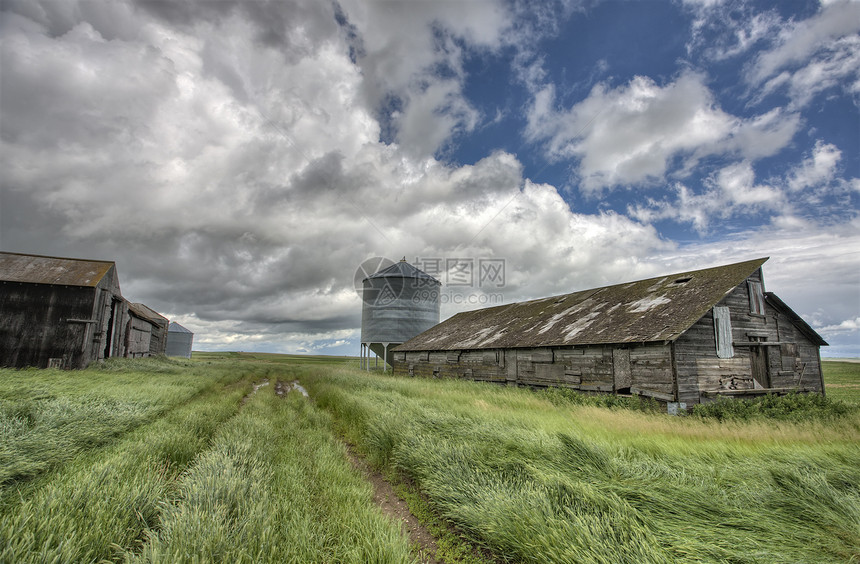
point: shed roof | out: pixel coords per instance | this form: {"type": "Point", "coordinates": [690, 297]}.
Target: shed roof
{"type": "Point", "coordinates": [656, 309]}
{"type": "Point", "coordinates": [37, 269]}
{"type": "Point", "coordinates": [147, 314]}
{"type": "Point", "coordinates": [153, 315]}
{"type": "Point", "coordinates": [175, 327]}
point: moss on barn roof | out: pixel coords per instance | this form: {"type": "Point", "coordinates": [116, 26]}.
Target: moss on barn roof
{"type": "Point", "coordinates": [36, 269]}
{"type": "Point", "coordinates": [656, 309]}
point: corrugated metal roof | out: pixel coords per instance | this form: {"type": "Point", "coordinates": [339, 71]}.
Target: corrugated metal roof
{"type": "Point", "coordinates": [175, 327]}
{"type": "Point", "coordinates": [402, 269]}
{"type": "Point", "coordinates": [36, 269]}
{"type": "Point", "coordinates": [656, 309]}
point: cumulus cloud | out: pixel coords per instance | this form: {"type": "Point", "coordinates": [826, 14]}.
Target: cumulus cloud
{"type": "Point", "coordinates": [799, 41]}
{"type": "Point", "coordinates": [729, 192]}
{"type": "Point", "coordinates": [800, 57]}
{"type": "Point", "coordinates": [412, 57]}
{"type": "Point", "coordinates": [846, 326]}
{"type": "Point", "coordinates": [812, 55]}
{"type": "Point", "coordinates": [631, 135]}
{"type": "Point", "coordinates": [794, 199]}
{"type": "Point", "coordinates": [238, 186]}
{"type": "Point", "coordinates": [722, 30]}
{"type": "Point", "coordinates": [233, 159]}
{"type": "Point", "coordinates": [817, 169]}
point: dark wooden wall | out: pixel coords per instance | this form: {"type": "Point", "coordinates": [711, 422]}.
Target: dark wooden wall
{"type": "Point", "coordinates": [34, 326]}
{"type": "Point", "coordinates": [158, 338]}
{"type": "Point", "coordinates": [138, 337]}
{"type": "Point", "coordinates": [61, 326]}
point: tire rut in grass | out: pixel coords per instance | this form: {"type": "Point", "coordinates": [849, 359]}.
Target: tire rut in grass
{"type": "Point", "coordinates": [396, 508]}
{"type": "Point", "coordinates": [384, 495]}
{"type": "Point", "coordinates": [257, 386]}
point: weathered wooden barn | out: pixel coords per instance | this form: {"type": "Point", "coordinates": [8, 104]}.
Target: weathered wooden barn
{"type": "Point", "coordinates": [67, 313]}
{"type": "Point", "coordinates": [146, 332]}
{"type": "Point", "coordinates": [686, 337]}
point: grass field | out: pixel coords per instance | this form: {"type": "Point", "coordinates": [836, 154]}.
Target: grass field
{"type": "Point", "coordinates": [842, 380]}
{"type": "Point", "coordinates": [187, 461]}
{"type": "Point", "coordinates": [189, 471]}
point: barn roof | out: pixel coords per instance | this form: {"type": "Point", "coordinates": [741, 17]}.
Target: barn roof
{"type": "Point", "coordinates": [36, 269]}
{"type": "Point", "coordinates": [146, 313]}
{"type": "Point", "coordinates": [656, 309]}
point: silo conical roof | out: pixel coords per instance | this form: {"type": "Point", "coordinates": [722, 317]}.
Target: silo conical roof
{"type": "Point", "coordinates": [402, 269]}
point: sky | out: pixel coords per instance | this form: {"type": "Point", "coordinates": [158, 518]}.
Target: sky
{"type": "Point", "coordinates": [241, 160]}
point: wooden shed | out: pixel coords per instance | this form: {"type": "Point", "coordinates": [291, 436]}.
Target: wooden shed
{"type": "Point", "coordinates": [687, 337]}
{"type": "Point", "coordinates": [157, 329]}
{"type": "Point", "coordinates": [146, 332]}
{"type": "Point", "coordinates": [59, 312]}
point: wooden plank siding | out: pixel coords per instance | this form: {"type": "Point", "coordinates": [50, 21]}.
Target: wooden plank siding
{"type": "Point", "coordinates": [699, 370]}
{"type": "Point", "coordinates": [59, 326]}
{"type": "Point", "coordinates": [589, 369]}
{"type": "Point", "coordinates": [138, 337]}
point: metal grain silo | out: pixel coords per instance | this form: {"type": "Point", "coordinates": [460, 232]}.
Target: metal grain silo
{"type": "Point", "coordinates": [179, 340]}
{"type": "Point", "coordinates": [399, 302]}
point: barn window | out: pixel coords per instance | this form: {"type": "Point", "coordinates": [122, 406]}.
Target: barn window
{"type": "Point", "coordinates": [723, 332]}
{"type": "Point", "coordinates": [756, 298]}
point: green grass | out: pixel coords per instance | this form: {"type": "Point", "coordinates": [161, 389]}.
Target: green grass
{"type": "Point", "coordinates": [163, 461]}
{"type": "Point", "coordinates": [534, 481]}
{"type": "Point", "coordinates": [198, 476]}
{"type": "Point", "coordinates": [274, 487]}
{"type": "Point", "coordinates": [842, 380]}
{"type": "Point", "coordinates": [48, 417]}
{"type": "Point", "coordinates": [789, 407]}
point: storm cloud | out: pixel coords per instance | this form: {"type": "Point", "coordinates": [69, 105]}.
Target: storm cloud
{"type": "Point", "coordinates": [239, 160]}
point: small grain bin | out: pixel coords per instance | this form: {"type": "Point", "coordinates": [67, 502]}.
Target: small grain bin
{"type": "Point", "coordinates": [400, 302]}
{"type": "Point", "coordinates": [179, 340]}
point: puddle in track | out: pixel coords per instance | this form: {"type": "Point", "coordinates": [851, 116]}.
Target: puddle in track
{"type": "Point", "coordinates": [283, 388]}
{"type": "Point", "coordinates": [257, 386]}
